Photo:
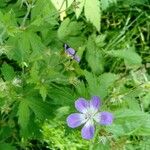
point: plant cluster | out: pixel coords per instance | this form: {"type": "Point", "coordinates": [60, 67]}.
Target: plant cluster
{"type": "Point", "coordinates": [53, 52]}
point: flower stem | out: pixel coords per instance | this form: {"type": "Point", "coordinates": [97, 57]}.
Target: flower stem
{"type": "Point", "coordinates": [29, 7]}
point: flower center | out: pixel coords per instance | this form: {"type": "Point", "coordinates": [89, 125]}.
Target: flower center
{"type": "Point", "coordinates": [89, 115]}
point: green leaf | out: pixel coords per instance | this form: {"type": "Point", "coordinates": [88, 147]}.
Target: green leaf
{"type": "Point", "coordinates": [106, 80]}
{"type": "Point", "coordinates": [129, 114]}
{"type": "Point", "coordinates": [99, 85]}
{"type": "Point", "coordinates": [94, 56]}
{"type": "Point", "coordinates": [23, 114]}
{"type": "Point", "coordinates": [19, 47]}
{"type": "Point", "coordinates": [129, 122]}
{"type": "Point", "coordinates": [7, 72]}
{"type": "Point", "coordinates": [95, 61]}
{"type": "Point", "coordinates": [62, 32]}
{"type": "Point", "coordinates": [106, 3]}
{"type": "Point", "coordinates": [82, 90]}
{"type": "Point", "coordinates": [129, 55]}
{"type": "Point", "coordinates": [40, 108]}
{"type": "Point", "coordinates": [36, 44]}
{"type": "Point", "coordinates": [43, 92]}
{"type": "Point", "coordinates": [62, 96]}
{"type": "Point", "coordinates": [73, 29]}
{"type": "Point", "coordinates": [146, 100]}
{"type": "Point", "coordinates": [79, 8]}
{"type": "Point", "coordinates": [5, 132]}
{"type": "Point", "coordinates": [6, 146]}
{"type": "Point", "coordinates": [92, 12]}
{"type": "Point", "coordinates": [43, 13]}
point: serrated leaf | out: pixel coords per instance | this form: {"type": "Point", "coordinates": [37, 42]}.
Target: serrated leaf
{"type": "Point", "coordinates": [43, 92]}
{"type": "Point", "coordinates": [130, 114]}
{"type": "Point", "coordinates": [73, 29]}
{"type": "Point", "coordinates": [36, 45]}
{"type": "Point", "coordinates": [62, 32]}
{"type": "Point", "coordinates": [99, 85]}
{"type": "Point", "coordinates": [95, 61]}
{"type": "Point", "coordinates": [62, 95]}
{"type": "Point", "coordinates": [44, 12]}
{"type": "Point", "coordinates": [20, 47]}
{"type": "Point", "coordinates": [23, 114]}
{"type": "Point", "coordinates": [82, 90]}
{"type": "Point", "coordinates": [79, 7]}
{"type": "Point", "coordinates": [130, 122]}
{"type": "Point", "coordinates": [92, 12]}
{"type": "Point", "coordinates": [129, 55]}
{"type": "Point", "coordinates": [40, 108]}
{"type": "Point", "coordinates": [7, 72]}
{"type": "Point", "coordinates": [94, 56]}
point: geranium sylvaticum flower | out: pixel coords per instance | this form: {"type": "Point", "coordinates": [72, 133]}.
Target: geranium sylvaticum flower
{"type": "Point", "coordinates": [71, 52]}
{"type": "Point", "coordinates": [88, 115]}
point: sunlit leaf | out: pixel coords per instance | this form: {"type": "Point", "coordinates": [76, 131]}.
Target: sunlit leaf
{"type": "Point", "coordinates": [79, 7]}
{"type": "Point", "coordinates": [92, 12]}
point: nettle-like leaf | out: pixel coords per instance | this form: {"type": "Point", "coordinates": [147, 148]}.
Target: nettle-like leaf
{"type": "Point", "coordinates": [62, 95]}
{"type": "Point", "coordinates": [94, 55]}
{"type": "Point", "coordinates": [79, 7]}
{"type": "Point", "coordinates": [82, 90]}
{"type": "Point", "coordinates": [20, 47]}
{"type": "Point", "coordinates": [40, 108]}
{"type": "Point", "coordinates": [9, 23]}
{"type": "Point", "coordinates": [24, 45]}
{"type": "Point", "coordinates": [23, 114]}
{"type": "Point", "coordinates": [44, 12]}
{"type": "Point", "coordinates": [92, 12]}
{"type": "Point", "coordinates": [73, 29]}
{"type": "Point", "coordinates": [129, 55]}
{"type": "Point", "coordinates": [99, 85]}
{"type": "Point", "coordinates": [129, 122]}
{"type": "Point", "coordinates": [7, 72]}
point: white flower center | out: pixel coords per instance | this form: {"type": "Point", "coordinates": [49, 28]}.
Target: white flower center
{"type": "Point", "coordinates": [89, 115]}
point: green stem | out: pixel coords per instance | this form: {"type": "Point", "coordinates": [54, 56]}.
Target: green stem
{"type": "Point", "coordinates": [29, 7]}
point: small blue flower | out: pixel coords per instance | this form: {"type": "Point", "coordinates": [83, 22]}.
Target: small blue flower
{"type": "Point", "coordinates": [88, 114]}
{"type": "Point", "coordinates": [71, 52]}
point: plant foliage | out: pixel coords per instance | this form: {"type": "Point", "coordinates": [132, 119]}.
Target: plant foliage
{"type": "Point", "coordinates": [39, 82]}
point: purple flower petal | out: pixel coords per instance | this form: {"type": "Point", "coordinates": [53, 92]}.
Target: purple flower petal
{"type": "Point", "coordinates": [76, 119]}
{"type": "Point", "coordinates": [94, 104]}
{"type": "Point", "coordinates": [88, 130]}
{"type": "Point", "coordinates": [104, 118]}
{"type": "Point", "coordinates": [70, 51]}
{"type": "Point", "coordinates": [66, 46]}
{"type": "Point", "coordinates": [82, 105]}
{"type": "Point", "coordinates": [77, 58]}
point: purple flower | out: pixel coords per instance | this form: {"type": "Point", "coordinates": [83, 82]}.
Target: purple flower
{"type": "Point", "coordinates": [77, 58]}
{"type": "Point", "coordinates": [88, 115]}
{"type": "Point", "coordinates": [71, 52]}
